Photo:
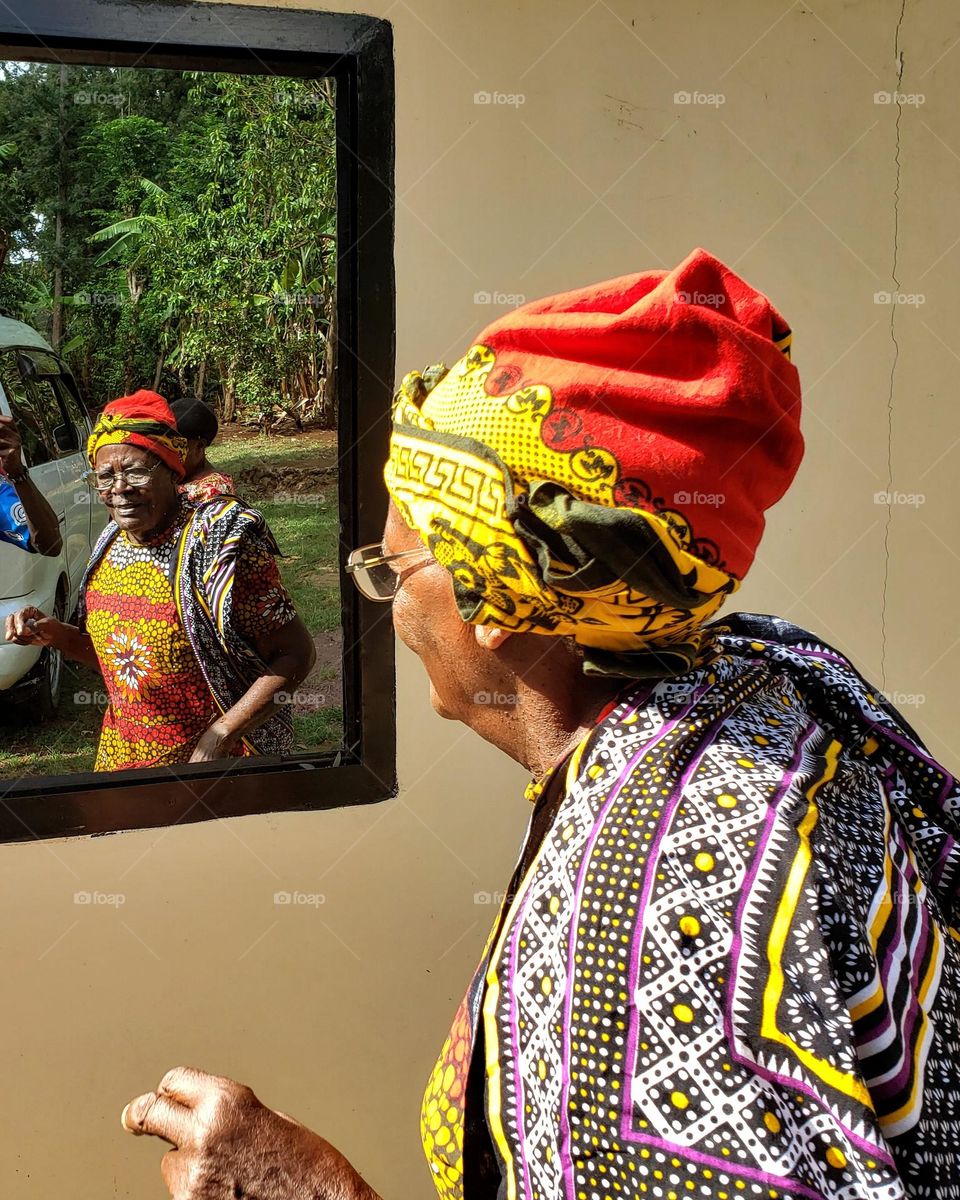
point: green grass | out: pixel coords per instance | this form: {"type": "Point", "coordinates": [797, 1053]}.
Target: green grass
{"type": "Point", "coordinates": [308, 533]}
{"type": "Point", "coordinates": [61, 746]}
{"type": "Point", "coordinates": [322, 729]}
{"type": "Point", "coordinates": [235, 454]}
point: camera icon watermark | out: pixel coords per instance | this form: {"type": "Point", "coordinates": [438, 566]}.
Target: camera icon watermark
{"type": "Point", "coordinates": [700, 499]}
{"type": "Point", "coordinates": [706, 99]}
{"type": "Point", "coordinates": [82, 699]}
{"type": "Point", "coordinates": [497, 699]}
{"type": "Point", "coordinates": [705, 299]}
{"type": "Point", "coordinates": [905, 699]}
{"type": "Point", "coordinates": [903, 99]}
{"type": "Point", "coordinates": [100, 899]}
{"type": "Point", "coordinates": [299, 899]}
{"type": "Point", "coordinates": [489, 897]}
{"type": "Point", "coordinates": [905, 499]}
{"type": "Point", "coordinates": [911, 299]}
{"type": "Point", "coordinates": [513, 299]}
{"type": "Point", "coordinates": [112, 99]}
{"type": "Point", "coordinates": [509, 99]}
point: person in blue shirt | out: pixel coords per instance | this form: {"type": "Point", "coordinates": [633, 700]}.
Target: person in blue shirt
{"type": "Point", "coordinates": [26, 518]}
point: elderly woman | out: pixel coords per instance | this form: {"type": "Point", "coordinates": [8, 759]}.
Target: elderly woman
{"type": "Point", "coordinates": [181, 608]}
{"type": "Point", "coordinates": [727, 962]}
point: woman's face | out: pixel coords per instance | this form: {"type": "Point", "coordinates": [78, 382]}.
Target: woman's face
{"type": "Point", "coordinates": [426, 620]}
{"type": "Point", "coordinates": [144, 511]}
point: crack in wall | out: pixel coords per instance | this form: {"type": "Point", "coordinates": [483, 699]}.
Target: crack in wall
{"type": "Point", "coordinates": [898, 59]}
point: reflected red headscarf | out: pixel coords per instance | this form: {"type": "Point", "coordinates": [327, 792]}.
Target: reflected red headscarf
{"type": "Point", "coordinates": [143, 419]}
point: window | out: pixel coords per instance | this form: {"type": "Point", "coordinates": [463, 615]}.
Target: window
{"type": "Point", "coordinates": [345, 58]}
{"type": "Point", "coordinates": [30, 410]}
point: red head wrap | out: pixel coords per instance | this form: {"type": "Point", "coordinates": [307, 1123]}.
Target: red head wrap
{"type": "Point", "coordinates": [143, 419]}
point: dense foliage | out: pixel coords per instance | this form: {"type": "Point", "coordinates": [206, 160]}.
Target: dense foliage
{"type": "Point", "coordinates": [174, 230]}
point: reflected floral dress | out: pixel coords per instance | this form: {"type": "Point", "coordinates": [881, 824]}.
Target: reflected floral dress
{"type": "Point", "coordinates": [159, 702]}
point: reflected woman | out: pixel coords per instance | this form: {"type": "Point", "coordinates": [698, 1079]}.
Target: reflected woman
{"type": "Point", "coordinates": [181, 608]}
{"type": "Point", "coordinates": [197, 422]}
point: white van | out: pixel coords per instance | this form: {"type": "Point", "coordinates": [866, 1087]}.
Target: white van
{"type": "Point", "coordinates": [39, 392]}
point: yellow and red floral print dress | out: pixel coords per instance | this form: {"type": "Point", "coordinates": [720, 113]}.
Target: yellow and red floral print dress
{"type": "Point", "coordinates": [159, 701]}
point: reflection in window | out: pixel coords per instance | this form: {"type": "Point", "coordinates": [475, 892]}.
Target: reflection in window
{"type": "Point", "coordinates": [196, 258]}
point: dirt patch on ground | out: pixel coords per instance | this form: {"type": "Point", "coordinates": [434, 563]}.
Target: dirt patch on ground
{"type": "Point", "coordinates": [312, 472]}
{"type": "Point", "coordinates": [323, 687]}
{"type": "Point", "coordinates": [276, 482]}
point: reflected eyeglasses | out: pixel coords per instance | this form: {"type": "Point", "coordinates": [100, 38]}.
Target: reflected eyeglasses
{"type": "Point", "coordinates": [373, 571]}
{"type": "Point", "coordinates": [135, 477]}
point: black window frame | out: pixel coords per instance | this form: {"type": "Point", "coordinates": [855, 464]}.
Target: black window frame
{"type": "Point", "coordinates": [357, 52]}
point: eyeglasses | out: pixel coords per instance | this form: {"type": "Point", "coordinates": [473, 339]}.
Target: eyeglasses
{"type": "Point", "coordinates": [135, 477]}
{"type": "Point", "coordinates": [373, 572]}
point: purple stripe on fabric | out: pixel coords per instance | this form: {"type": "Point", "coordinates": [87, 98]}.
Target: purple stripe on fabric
{"type": "Point", "coordinates": [571, 945]}
{"type": "Point", "coordinates": [724, 1164]}
{"type": "Point", "coordinates": [769, 821]}
{"type": "Point", "coordinates": [899, 949]}
{"type": "Point", "coordinates": [919, 953]}
{"type": "Point", "coordinates": [649, 874]}
{"type": "Point", "coordinates": [834, 658]}
{"type": "Point", "coordinates": [895, 952]}
{"type": "Point", "coordinates": [915, 750]}
{"type": "Point", "coordinates": [629, 708]}
{"type": "Point", "coordinates": [515, 1037]}
{"type": "Point", "coordinates": [785, 1081]}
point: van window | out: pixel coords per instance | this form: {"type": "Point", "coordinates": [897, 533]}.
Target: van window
{"type": "Point", "coordinates": [71, 406]}
{"type": "Point", "coordinates": [35, 433]}
{"type": "Point", "coordinates": [48, 368]}
{"type": "Point", "coordinates": [49, 410]}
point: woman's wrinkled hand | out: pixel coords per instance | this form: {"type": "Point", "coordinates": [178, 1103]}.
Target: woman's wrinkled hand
{"type": "Point", "coordinates": [30, 627]}
{"type": "Point", "coordinates": [214, 743]}
{"type": "Point", "coordinates": [226, 1144]}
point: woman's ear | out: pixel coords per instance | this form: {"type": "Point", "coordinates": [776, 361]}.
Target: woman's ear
{"type": "Point", "coordinates": [490, 637]}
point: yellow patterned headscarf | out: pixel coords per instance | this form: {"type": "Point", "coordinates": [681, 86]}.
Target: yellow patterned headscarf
{"type": "Point", "coordinates": [571, 492]}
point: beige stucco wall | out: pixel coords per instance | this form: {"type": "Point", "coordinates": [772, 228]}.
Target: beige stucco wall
{"type": "Point", "coordinates": [334, 1013]}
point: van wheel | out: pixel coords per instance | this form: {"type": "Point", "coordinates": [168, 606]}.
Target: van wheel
{"type": "Point", "coordinates": [49, 674]}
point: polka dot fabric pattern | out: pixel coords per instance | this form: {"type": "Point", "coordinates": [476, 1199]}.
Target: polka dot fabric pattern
{"type": "Point", "coordinates": [732, 967]}
{"type": "Point", "coordinates": [175, 624]}
{"type": "Point", "coordinates": [158, 699]}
